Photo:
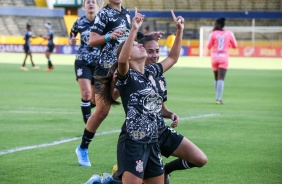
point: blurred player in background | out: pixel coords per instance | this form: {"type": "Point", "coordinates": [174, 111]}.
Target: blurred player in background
{"type": "Point", "coordinates": [146, 30]}
{"type": "Point", "coordinates": [220, 40]}
{"type": "Point", "coordinates": [50, 46]}
{"type": "Point", "coordinates": [170, 40]}
{"type": "Point", "coordinates": [87, 57]}
{"type": "Point", "coordinates": [108, 32]}
{"type": "Point", "coordinates": [27, 36]}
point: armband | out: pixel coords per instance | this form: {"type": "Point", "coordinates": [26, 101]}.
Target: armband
{"type": "Point", "coordinates": [107, 37]}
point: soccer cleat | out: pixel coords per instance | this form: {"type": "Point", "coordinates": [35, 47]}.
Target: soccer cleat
{"type": "Point", "coordinates": [106, 178]}
{"type": "Point", "coordinates": [115, 168]}
{"type": "Point", "coordinates": [219, 102]}
{"type": "Point", "coordinates": [35, 67]}
{"type": "Point", "coordinates": [95, 178]}
{"type": "Point", "coordinates": [24, 68]}
{"type": "Point", "coordinates": [49, 69]}
{"type": "Point", "coordinates": [82, 156]}
{"type": "Point", "coordinates": [166, 178]}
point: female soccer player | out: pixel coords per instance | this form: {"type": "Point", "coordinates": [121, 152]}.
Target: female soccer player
{"type": "Point", "coordinates": [87, 57]}
{"type": "Point", "coordinates": [108, 33]}
{"type": "Point", "coordinates": [220, 40]}
{"type": "Point", "coordinates": [171, 143]}
{"type": "Point", "coordinates": [50, 46]}
{"type": "Point", "coordinates": [111, 27]}
{"type": "Point", "coordinates": [27, 36]}
{"type": "Point", "coordinates": [138, 152]}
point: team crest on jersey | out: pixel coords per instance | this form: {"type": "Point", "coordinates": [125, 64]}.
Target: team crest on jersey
{"type": "Point", "coordinates": [139, 166]}
{"type": "Point", "coordinates": [153, 102]}
{"type": "Point", "coordinates": [162, 85]}
{"type": "Point", "coordinates": [79, 72]}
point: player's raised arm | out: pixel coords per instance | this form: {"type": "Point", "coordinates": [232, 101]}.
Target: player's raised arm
{"type": "Point", "coordinates": [176, 48]}
{"type": "Point", "coordinates": [123, 59]}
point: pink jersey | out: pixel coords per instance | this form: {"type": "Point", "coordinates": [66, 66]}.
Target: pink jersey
{"type": "Point", "coordinates": [220, 42]}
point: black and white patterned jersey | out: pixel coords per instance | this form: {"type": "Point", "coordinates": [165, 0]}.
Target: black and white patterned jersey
{"type": "Point", "coordinates": [161, 87]}
{"type": "Point", "coordinates": [162, 91]}
{"type": "Point", "coordinates": [27, 36]}
{"type": "Point", "coordinates": [107, 21]}
{"type": "Point", "coordinates": [142, 104]}
{"type": "Point", "coordinates": [51, 36]}
{"type": "Point", "coordinates": [83, 26]}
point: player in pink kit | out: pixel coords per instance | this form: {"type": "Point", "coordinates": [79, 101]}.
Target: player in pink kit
{"type": "Point", "coordinates": [220, 40]}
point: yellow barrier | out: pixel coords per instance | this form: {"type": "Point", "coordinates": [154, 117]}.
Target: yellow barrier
{"type": "Point", "coordinates": [69, 20]}
{"type": "Point", "coordinates": [40, 3]}
{"type": "Point", "coordinates": [38, 40]}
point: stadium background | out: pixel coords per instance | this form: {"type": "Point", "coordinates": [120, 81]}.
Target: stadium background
{"type": "Point", "coordinates": [40, 118]}
{"type": "Point", "coordinates": [14, 14]}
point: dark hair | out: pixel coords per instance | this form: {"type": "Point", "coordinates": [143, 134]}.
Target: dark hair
{"type": "Point", "coordinates": [140, 35]}
{"type": "Point", "coordinates": [28, 25]}
{"type": "Point", "coordinates": [147, 39]}
{"type": "Point", "coordinates": [105, 82]}
{"type": "Point", "coordinates": [220, 22]}
{"type": "Point", "coordinates": [147, 28]}
{"type": "Point", "coordinates": [105, 86]}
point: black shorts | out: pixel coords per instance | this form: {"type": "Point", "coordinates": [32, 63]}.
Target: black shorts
{"type": "Point", "coordinates": [99, 71]}
{"type": "Point", "coordinates": [142, 160]}
{"type": "Point", "coordinates": [169, 141]}
{"type": "Point", "coordinates": [84, 71]}
{"type": "Point", "coordinates": [50, 48]}
{"type": "Point", "coordinates": [27, 49]}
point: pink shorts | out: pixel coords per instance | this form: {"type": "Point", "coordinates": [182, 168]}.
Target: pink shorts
{"type": "Point", "coordinates": [219, 62]}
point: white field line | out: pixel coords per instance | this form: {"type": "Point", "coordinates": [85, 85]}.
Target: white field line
{"type": "Point", "coordinates": [77, 138]}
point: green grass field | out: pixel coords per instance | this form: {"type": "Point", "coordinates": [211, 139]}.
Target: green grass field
{"type": "Point", "coordinates": [242, 138]}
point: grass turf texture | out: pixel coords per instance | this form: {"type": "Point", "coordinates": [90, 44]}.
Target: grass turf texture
{"type": "Point", "coordinates": [243, 143]}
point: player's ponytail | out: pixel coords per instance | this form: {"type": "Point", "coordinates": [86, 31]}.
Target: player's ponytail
{"type": "Point", "coordinates": [105, 86]}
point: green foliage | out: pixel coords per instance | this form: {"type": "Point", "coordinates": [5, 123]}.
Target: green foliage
{"type": "Point", "coordinates": [242, 140]}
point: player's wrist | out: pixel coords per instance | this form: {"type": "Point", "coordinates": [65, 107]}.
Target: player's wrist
{"type": "Point", "coordinates": [107, 37]}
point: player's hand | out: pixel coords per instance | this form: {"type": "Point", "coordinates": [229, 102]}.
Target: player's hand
{"type": "Point", "coordinates": [175, 120]}
{"type": "Point", "coordinates": [156, 34]}
{"type": "Point", "coordinates": [73, 39]}
{"type": "Point", "coordinates": [116, 34]}
{"type": "Point", "coordinates": [137, 20]}
{"type": "Point", "coordinates": [179, 21]}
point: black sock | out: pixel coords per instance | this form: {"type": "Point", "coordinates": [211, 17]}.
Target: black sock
{"type": "Point", "coordinates": [86, 139]}
{"type": "Point", "coordinates": [49, 63]}
{"type": "Point", "coordinates": [177, 164]}
{"type": "Point", "coordinates": [86, 109]}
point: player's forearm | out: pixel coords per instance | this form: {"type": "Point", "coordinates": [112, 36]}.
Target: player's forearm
{"type": "Point", "coordinates": [166, 113]}
{"type": "Point", "coordinates": [96, 39]}
{"type": "Point", "coordinates": [176, 48]}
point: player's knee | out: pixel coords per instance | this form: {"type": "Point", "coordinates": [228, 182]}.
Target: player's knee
{"type": "Point", "coordinates": [86, 95]}
{"type": "Point", "coordinates": [102, 114]}
{"type": "Point", "coordinates": [201, 161]}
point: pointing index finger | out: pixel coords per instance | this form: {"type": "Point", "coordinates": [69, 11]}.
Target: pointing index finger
{"type": "Point", "coordinates": [136, 12]}
{"type": "Point", "coordinates": [173, 16]}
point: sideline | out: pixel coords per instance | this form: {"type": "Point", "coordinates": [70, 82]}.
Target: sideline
{"type": "Point", "coordinates": [77, 138]}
